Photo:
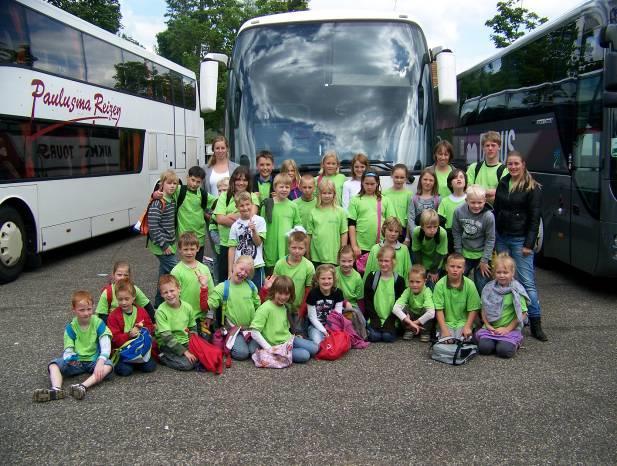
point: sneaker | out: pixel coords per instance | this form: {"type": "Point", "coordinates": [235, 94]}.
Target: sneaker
{"type": "Point", "coordinates": [408, 335]}
{"type": "Point", "coordinates": [43, 394]}
{"type": "Point", "coordinates": [77, 391]}
{"type": "Point", "coordinates": [425, 337]}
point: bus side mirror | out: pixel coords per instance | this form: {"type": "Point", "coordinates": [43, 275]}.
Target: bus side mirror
{"type": "Point", "coordinates": [208, 80]}
{"type": "Point", "coordinates": [446, 75]}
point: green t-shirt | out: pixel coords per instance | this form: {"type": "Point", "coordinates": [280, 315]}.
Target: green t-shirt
{"type": "Point", "coordinates": [456, 302]}
{"type": "Point", "coordinates": [191, 215]}
{"type": "Point", "coordinates": [241, 302]}
{"type": "Point", "coordinates": [400, 202]}
{"type": "Point", "coordinates": [271, 321]}
{"type": "Point", "coordinates": [508, 314]}
{"type": "Point", "coordinates": [442, 183]}
{"type": "Point", "coordinates": [129, 319]}
{"type": "Point", "coordinates": [227, 209]}
{"type": "Point", "coordinates": [403, 261]}
{"type": "Point", "coordinates": [301, 274]}
{"type": "Point", "coordinates": [86, 343]}
{"type": "Point", "coordinates": [351, 285]}
{"type": "Point", "coordinates": [338, 181]}
{"type": "Point", "coordinates": [384, 298]}
{"type": "Point", "coordinates": [104, 308]}
{"type": "Point", "coordinates": [263, 189]}
{"type": "Point", "coordinates": [487, 176]}
{"type": "Point", "coordinates": [446, 208]}
{"type": "Point", "coordinates": [174, 320]}
{"type": "Point", "coordinates": [428, 247]}
{"type": "Point", "coordinates": [284, 218]}
{"type": "Point", "coordinates": [304, 209]}
{"type": "Point", "coordinates": [326, 225]}
{"type": "Point", "coordinates": [417, 304]}
{"type": "Point", "coordinates": [363, 209]}
{"type": "Point", "coordinates": [189, 284]}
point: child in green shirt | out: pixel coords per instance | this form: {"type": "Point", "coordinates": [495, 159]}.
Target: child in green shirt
{"type": "Point", "coordinates": [270, 326]}
{"type": "Point", "coordinates": [351, 284]}
{"type": "Point", "coordinates": [301, 271]}
{"type": "Point", "coordinates": [329, 170]}
{"type": "Point", "coordinates": [262, 182]}
{"type": "Point", "coordinates": [391, 232]}
{"type": "Point", "coordinates": [281, 216]}
{"type": "Point", "coordinates": [237, 298]}
{"type": "Point", "coordinates": [456, 300]}
{"type": "Point", "coordinates": [306, 203]}
{"type": "Point", "coordinates": [87, 346]}
{"type": "Point", "coordinates": [174, 321]}
{"type": "Point", "coordinates": [429, 245]}
{"type": "Point", "coordinates": [327, 227]}
{"type": "Point", "coordinates": [399, 196]}
{"type": "Point", "coordinates": [417, 300]}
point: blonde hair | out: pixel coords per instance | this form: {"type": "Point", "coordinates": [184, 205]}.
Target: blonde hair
{"type": "Point", "coordinates": [221, 182]}
{"type": "Point", "coordinates": [168, 175]}
{"type": "Point", "coordinates": [476, 191]}
{"type": "Point", "coordinates": [361, 158]}
{"type": "Point", "coordinates": [248, 261]}
{"type": "Point", "coordinates": [385, 250]}
{"type": "Point", "coordinates": [326, 185]}
{"type": "Point", "coordinates": [429, 217]}
{"type": "Point", "coordinates": [503, 258]}
{"type": "Point", "coordinates": [391, 223]}
{"type": "Point", "coordinates": [329, 154]}
{"type": "Point", "coordinates": [242, 197]}
{"type": "Point", "coordinates": [324, 268]}
{"type": "Point", "coordinates": [490, 136]}
{"type": "Point", "coordinates": [526, 183]}
{"type": "Point", "coordinates": [418, 269]}
{"type": "Point", "coordinates": [281, 178]}
{"type": "Point", "coordinates": [308, 178]}
{"type": "Point", "coordinates": [215, 139]}
{"type": "Point", "coordinates": [288, 164]}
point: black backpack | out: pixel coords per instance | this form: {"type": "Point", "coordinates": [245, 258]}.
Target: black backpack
{"type": "Point", "coordinates": [500, 170]}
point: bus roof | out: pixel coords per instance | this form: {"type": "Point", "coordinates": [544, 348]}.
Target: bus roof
{"type": "Point", "coordinates": [541, 30]}
{"type": "Point", "coordinates": [89, 28]}
{"type": "Point", "coordinates": [327, 15]}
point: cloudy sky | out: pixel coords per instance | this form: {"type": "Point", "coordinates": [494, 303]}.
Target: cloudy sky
{"type": "Point", "coordinates": [458, 25]}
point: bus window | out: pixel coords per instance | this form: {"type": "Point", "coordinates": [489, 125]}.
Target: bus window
{"type": "Point", "coordinates": [161, 83]}
{"type": "Point", "coordinates": [133, 74]}
{"type": "Point", "coordinates": [103, 62]}
{"type": "Point", "coordinates": [13, 37]}
{"type": "Point", "coordinates": [177, 90]}
{"type": "Point", "coordinates": [190, 93]}
{"type": "Point", "coordinates": [55, 47]}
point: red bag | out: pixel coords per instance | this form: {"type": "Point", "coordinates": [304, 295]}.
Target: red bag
{"type": "Point", "coordinates": [334, 346]}
{"type": "Point", "coordinates": [209, 355]}
{"type": "Point", "coordinates": [219, 339]}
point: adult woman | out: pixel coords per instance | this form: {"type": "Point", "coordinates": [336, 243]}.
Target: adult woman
{"type": "Point", "coordinates": [517, 218]}
{"type": "Point", "coordinates": [443, 153]}
{"type": "Point", "coordinates": [219, 166]}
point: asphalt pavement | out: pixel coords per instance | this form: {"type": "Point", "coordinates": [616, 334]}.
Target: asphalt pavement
{"type": "Point", "coordinates": [389, 404]}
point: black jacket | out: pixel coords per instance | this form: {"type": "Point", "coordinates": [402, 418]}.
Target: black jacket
{"type": "Point", "coordinates": [369, 306]}
{"type": "Point", "coordinates": [517, 213]}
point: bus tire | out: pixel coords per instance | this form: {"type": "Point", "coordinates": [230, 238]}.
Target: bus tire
{"type": "Point", "coordinates": [12, 244]}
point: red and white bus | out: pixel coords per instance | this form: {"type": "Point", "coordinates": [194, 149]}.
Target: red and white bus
{"type": "Point", "coordinates": [87, 123]}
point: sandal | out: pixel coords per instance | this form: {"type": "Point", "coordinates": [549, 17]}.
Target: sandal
{"type": "Point", "coordinates": [77, 391]}
{"type": "Point", "coordinates": [47, 394]}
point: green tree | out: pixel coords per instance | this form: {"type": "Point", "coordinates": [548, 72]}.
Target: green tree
{"type": "Point", "coordinates": [197, 27]}
{"type": "Point", "coordinates": [507, 23]}
{"type": "Point", "coordinates": [102, 13]}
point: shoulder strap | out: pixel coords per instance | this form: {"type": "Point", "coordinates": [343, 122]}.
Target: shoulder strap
{"type": "Point", "coordinates": [100, 329]}
{"type": "Point", "coordinates": [109, 294]}
{"type": "Point", "coordinates": [181, 197]}
{"type": "Point", "coordinates": [378, 220]}
{"type": "Point", "coordinates": [70, 332]}
{"type": "Point", "coordinates": [204, 199]}
{"type": "Point", "coordinates": [376, 278]}
{"type": "Point", "coordinates": [500, 171]}
{"type": "Point", "coordinates": [253, 286]}
{"type": "Point", "coordinates": [225, 291]}
{"type": "Point", "coordinates": [477, 170]}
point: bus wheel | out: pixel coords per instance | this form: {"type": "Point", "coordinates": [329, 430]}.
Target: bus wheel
{"type": "Point", "coordinates": [12, 244]}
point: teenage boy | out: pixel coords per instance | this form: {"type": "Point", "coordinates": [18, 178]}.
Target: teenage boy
{"type": "Point", "coordinates": [262, 182]}
{"type": "Point", "coordinates": [489, 171]}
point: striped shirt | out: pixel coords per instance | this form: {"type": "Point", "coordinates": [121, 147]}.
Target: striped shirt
{"type": "Point", "coordinates": [162, 223]}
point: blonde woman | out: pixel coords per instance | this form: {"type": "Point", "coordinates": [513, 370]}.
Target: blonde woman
{"type": "Point", "coordinates": [219, 166]}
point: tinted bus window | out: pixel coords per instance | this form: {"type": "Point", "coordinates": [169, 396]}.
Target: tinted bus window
{"type": "Point", "coordinates": [177, 89]}
{"type": "Point", "coordinates": [14, 46]}
{"type": "Point", "coordinates": [102, 61]}
{"type": "Point", "coordinates": [132, 75]}
{"type": "Point", "coordinates": [41, 150]}
{"type": "Point", "coordinates": [190, 93]}
{"type": "Point", "coordinates": [161, 83]}
{"type": "Point", "coordinates": [55, 47]}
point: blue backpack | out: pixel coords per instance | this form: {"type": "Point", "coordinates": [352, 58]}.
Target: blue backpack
{"type": "Point", "coordinates": [137, 350]}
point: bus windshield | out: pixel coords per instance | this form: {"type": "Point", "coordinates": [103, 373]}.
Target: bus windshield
{"type": "Point", "coordinates": [302, 89]}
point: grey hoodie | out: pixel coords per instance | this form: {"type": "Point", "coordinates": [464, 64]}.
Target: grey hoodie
{"type": "Point", "coordinates": [474, 232]}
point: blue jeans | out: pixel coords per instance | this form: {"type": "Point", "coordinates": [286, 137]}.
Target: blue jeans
{"type": "Point", "coordinates": [242, 350]}
{"type": "Point", "coordinates": [124, 368]}
{"type": "Point", "coordinates": [315, 335]}
{"type": "Point", "coordinates": [166, 264]}
{"type": "Point", "coordinates": [303, 350]}
{"type": "Point", "coordinates": [380, 335]}
{"type": "Point", "coordinates": [72, 368]}
{"type": "Point", "coordinates": [525, 274]}
{"type": "Point", "coordinates": [478, 278]}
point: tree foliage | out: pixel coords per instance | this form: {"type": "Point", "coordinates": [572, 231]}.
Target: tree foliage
{"type": "Point", "coordinates": [197, 27]}
{"type": "Point", "coordinates": [507, 23]}
{"type": "Point", "coordinates": [102, 13]}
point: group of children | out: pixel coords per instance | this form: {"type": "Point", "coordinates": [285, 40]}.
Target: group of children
{"type": "Point", "coordinates": [290, 255]}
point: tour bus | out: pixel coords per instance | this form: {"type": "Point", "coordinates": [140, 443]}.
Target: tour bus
{"type": "Point", "coordinates": [303, 83]}
{"type": "Point", "coordinates": [553, 97]}
{"type": "Point", "coordinates": [87, 123]}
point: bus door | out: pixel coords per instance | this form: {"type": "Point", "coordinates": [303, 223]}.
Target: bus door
{"type": "Point", "coordinates": [179, 121]}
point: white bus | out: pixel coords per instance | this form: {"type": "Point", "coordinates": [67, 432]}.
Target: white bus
{"type": "Point", "coordinates": [87, 123]}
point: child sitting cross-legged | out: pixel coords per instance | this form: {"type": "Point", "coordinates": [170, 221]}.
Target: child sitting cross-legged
{"type": "Point", "coordinates": [456, 300]}
{"type": "Point", "coordinates": [270, 326]}
{"type": "Point", "coordinates": [323, 299]}
{"type": "Point", "coordinates": [415, 308]}
{"type": "Point", "coordinates": [504, 311]}
{"type": "Point", "coordinates": [87, 346]}
{"type": "Point", "coordinates": [174, 320]}
{"type": "Point", "coordinates": [237, 298]}
{"type": "Point", "coordinates": [125, 323]}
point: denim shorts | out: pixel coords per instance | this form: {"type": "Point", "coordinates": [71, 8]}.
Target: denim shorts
{"type": "Point", "coordinates": [71, 368]}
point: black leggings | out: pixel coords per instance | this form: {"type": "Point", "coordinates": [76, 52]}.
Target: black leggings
{"type": "Point", "coordinates": [223, 265]}
{"type": "Point", "coordinates": [502, 349]}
